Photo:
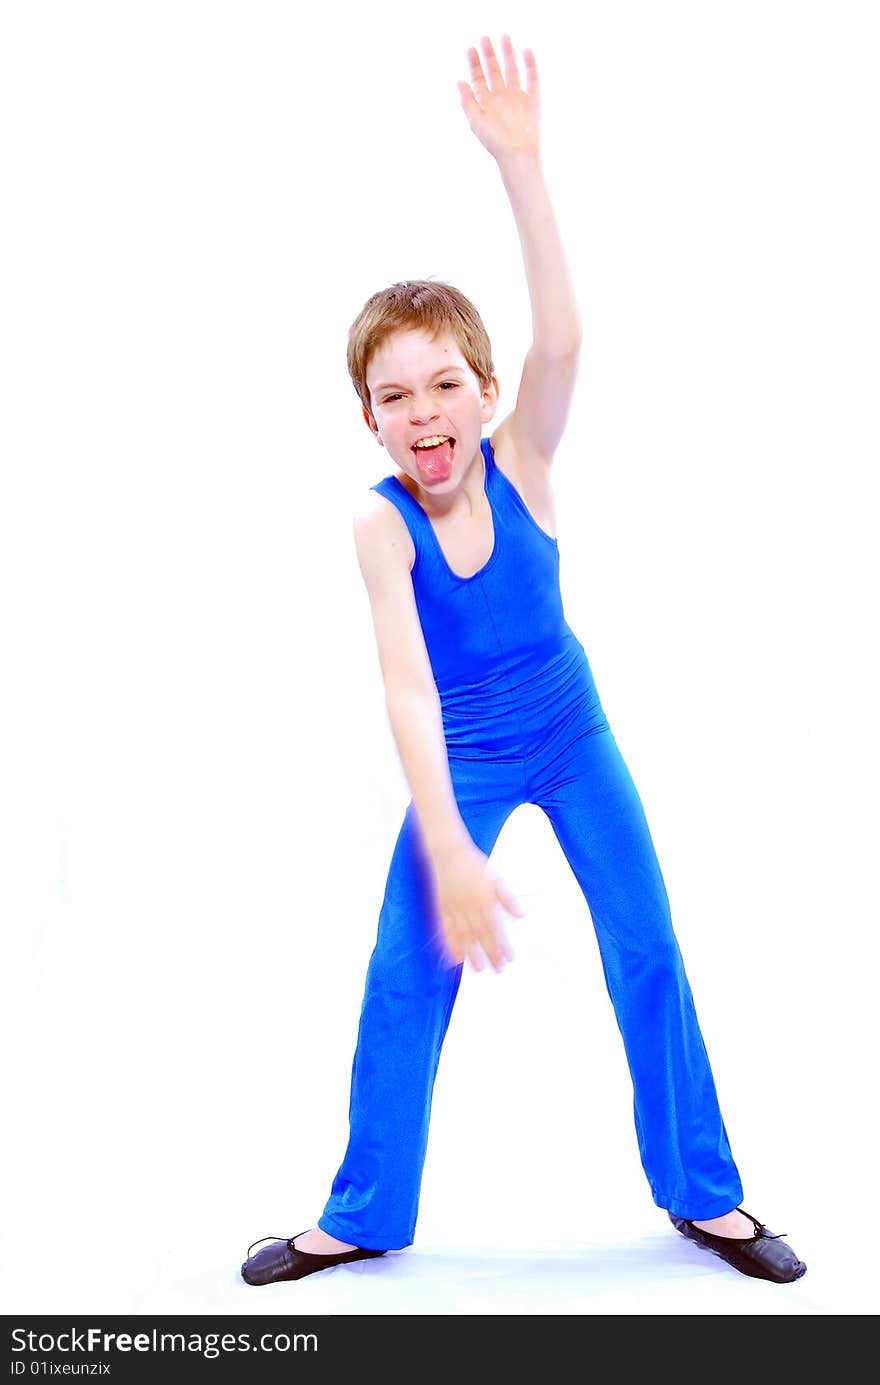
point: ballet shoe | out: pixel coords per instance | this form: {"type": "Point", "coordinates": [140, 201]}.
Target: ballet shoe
{"type": "Point", "coordinates": [281, 1260]}
{"type": "Point", "coordinates": [762, 1256]}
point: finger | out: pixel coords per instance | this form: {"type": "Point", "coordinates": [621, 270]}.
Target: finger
{"type": "Point", "coordinates": [490, 955]}
{"type": "Point", "coordinates": [460, 939]}
{"type": "Point", "coordinates": [488, 935]}
{"type": "Point", "coordinates": [478, 81]}
{"type": "Point", "coordinates": [501, 957]}
{"type": "Point", "coordinates": [496, 946]}
{"type": "Point", "coordinates": [470, 105]}
{"type": "Point", "coordinates": [468, 99]}
{"type": "Point", "coordinates": [510, 902]}
{"type": "Point", "coordinates": [454, 937]}
{"type": "Point", "coordinates": [455, 950]}
{"type": "Point", "coordinates": [504, 946]}
{"type": "Point", "coordinates": [531, 68]}
{"type": "Point", "coordinates": [511, 71]}
{"type": "Point", "coordinates": [496, 80]}
{"type": "Point", "coordinates": [475, 956]}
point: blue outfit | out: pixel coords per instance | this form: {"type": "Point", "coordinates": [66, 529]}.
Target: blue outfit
{"type": "Point", "coordinates": [523, 723]}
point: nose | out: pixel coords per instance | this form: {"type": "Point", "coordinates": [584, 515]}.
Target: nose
{"type": "Point", "coordinates": [422, 410]}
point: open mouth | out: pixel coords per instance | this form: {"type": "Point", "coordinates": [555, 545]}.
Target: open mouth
{"type": "Point", "coordinates": [435, 461]}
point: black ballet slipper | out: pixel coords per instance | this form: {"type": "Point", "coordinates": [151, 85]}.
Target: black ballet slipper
{"type": "Point", "coordinates": [762, 1256]}
{"type": "Point", "coordinates": [281, 1260]}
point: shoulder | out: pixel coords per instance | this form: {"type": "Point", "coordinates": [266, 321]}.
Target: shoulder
{"type": "Point", "coordinates": [530, 475]}
{"type": "Point", "coordinates": [511, 456]}
{"type": "Point", "coordinates": [380, 534]}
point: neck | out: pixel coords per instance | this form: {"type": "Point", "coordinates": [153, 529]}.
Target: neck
{"type": "Point", "coordinates": [465, 496]}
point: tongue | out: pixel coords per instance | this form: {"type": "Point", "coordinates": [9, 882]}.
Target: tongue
{"type": "Point", "coordinates": [434, 463]}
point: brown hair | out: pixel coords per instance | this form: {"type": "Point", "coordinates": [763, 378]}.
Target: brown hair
{"type": "Point", "coordinates": [434, 307]}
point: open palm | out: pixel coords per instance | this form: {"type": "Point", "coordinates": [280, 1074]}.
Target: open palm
{"type": "Point", "coordinates": [505, 119]}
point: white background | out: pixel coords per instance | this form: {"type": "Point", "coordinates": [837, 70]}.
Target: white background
{"type": "Point", "coordinates": [200, 792]}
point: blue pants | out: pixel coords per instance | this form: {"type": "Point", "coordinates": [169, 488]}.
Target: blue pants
{"type": "Point", "coordinates": [585, 788]}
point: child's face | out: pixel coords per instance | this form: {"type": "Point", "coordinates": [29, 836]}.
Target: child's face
{"type": "Point", "coordinates": [422, 388]}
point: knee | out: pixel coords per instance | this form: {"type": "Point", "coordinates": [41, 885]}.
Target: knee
{"type": "Point", "coordinates": [653, 961]}
{"type": "Point", "coordinates": [662, 979]}
{"type": "Point", "coordinates": [414, 976]}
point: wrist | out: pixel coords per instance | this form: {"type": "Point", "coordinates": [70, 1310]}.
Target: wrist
{"type": "Point", "coordinates": [443, 846]}
{"type": "Point", "coordinates": [520, 163]}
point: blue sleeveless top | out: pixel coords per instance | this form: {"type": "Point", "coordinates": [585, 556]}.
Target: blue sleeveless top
{"type": "Point", "coordinates": [508, 668]}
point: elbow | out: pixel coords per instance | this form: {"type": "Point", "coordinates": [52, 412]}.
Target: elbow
{"type": "Point", "coordinates": [560, 348]}
{"type": "Point", "coordinates": [404, 696]}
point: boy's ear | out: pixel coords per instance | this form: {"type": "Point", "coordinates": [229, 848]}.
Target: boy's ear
{"type": "Point", "coordinates": [490, 397]}
{"type": "Point", "coordinates": [370, 421]}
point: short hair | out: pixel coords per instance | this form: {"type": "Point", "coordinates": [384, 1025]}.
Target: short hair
{"type": "Point", "coordinates": [426, 304]}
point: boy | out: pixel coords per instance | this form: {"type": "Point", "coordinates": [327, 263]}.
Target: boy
{"type": "Point", "coordinates": [492, 704]}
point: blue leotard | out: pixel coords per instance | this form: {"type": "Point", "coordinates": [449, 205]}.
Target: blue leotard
{"type": "Point", "coordinates": [509, 670]}
{"type": "Point", "coordinates": [523, 723]}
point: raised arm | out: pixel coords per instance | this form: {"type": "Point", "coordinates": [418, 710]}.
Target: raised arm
{"type": "Point", "coordinates": [506, 120]}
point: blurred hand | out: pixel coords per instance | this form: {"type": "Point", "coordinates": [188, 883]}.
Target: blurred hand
{"type": "Point", "coordinates": [470, 898]}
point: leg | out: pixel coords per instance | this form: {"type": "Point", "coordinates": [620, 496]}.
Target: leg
{"type": "Point", "coordinates": [586, 790]}
{"type": "Point", "coordinates": [408, 1000]}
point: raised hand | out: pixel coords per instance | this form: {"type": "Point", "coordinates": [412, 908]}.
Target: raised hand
{"type": "Point", "coordinates": [504, 118]}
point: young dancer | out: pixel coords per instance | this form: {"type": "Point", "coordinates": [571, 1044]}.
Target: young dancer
{"type": "Point", "coordinates": [492, 704]}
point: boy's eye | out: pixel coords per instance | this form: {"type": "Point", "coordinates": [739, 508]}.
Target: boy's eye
{"type": "Point", "coordinates": [452, 384]}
